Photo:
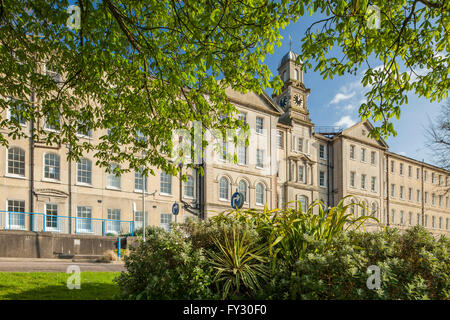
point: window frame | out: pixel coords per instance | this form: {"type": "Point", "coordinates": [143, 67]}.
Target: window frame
{"type": "Point", "coordinates": [188, 187]}
{"type": "Point", "coordinates": [84, 219]}
{"type": "Point", "coordinates": [144, 182]}
{"type": "Point", "coordinates": [246, 189]}
{"type": "Point", "coordinates": [227, 182]}
{"type": "Point", "coordinates": [259, 129]}
{"type": "Point", "coordinates": [259, 156]}
{"type": "Point", "coordinates": [45, 178]}
{"type": "Point", "coordinates": [9, 114]}
{"type": "Point", "coordinates": [90, 173]}
{"type": "Point", "coordinates": [112, 176]}
{"type": "Point", "coordinates": [169, 182]}
{"type": "Point", "coordinates": [263, 191]}
{"type": "Point", "coordinates": [16, 175]}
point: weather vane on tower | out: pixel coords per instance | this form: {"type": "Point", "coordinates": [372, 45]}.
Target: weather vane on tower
{"type": "Point", "coordinates": [290, 42]}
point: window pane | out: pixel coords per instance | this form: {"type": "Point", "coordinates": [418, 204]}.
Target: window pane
{"type": "Point", "coordinates": [259, 194]}
{"type": "Point", "coordinates": [113, 226]}
{"type": "Point", "coordinates": [15, 110]}
{"type": "Point", "coordinates": [84, 216]}
{"type": "Point", "coordinates": [259, 158]}
{"type": "Point", "coordinates": [166, 183]}
{"type": "Point", "coordinates": [223, 188]}
{"type": "Point", "coordinates": [189, 187]}
{"type": "Point", "coordinates": [84, 174]}
{"type": "Point", "coordinates": [166, 219]}
{"type": "Point", "coordinates": [303, 202]}
{"type": "Point", "coordinates": [242, 154]}
{"type": "Point", "coordinates": [139, 181]}
{"type": "Point", "coordinates": [51, 210]}
{"type": "Point", "coordinates": [16, 161]}
{"type": "Point", "coordinates": [16, 209]}
{"type": "Point", "coordinates": [112, 180]}
{"type": "Point", "coordinates": [259, 125]}
{"type": "Point", "coordinates": [242, 188]}
{"type": "Point", "coordinates": [51, 166]}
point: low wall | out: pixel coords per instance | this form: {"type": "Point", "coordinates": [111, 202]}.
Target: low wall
{"type": "Point", "coordinates": [30, 244]}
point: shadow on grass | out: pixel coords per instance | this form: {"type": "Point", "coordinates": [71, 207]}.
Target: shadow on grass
{"type": "Point", "coordinates": [88, 291]}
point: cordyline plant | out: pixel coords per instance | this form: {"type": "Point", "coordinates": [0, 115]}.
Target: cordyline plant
{"type": "Point", "coordinates": [239, 264]}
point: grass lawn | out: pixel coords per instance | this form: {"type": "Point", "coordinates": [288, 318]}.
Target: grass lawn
{"type": "Point", "coordinates": [53, 286]}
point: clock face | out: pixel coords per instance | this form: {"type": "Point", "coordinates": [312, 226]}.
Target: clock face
{"type": "Point", "coordinates": [283, 102]}
{"type": "Point", "coordinates": [298, 100]}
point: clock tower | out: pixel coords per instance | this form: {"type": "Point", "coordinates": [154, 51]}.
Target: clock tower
{"type": "Point", "coordinates": [294, 94]}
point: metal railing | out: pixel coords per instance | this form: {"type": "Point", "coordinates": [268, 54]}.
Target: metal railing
{"type": "Point", "coordinates": [32, 221]}
{"type": "Point", "coordinates": [328, 130]}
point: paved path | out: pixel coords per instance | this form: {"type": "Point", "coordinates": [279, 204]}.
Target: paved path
{"type": "Point", "coordinates": [54, 265]}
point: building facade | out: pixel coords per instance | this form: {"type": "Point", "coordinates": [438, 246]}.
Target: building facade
{"type": "Point", "coordinates": [288, 162]}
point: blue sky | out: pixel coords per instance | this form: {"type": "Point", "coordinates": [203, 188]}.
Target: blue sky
{"type": "Point", "coordinates": [336, 101]}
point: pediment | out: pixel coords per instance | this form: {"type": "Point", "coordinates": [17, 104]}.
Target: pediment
{"type": "Point", "coordinates": [302, 157]}
{"type": "Point", "coordinates": [261, 102]}
{"type": "Point", "coordinates": [360, 132]}
{"type": "Point", "coordinates": [51, 193]}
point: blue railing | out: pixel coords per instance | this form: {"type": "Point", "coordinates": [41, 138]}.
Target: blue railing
{"type": "Point", "coordinates": [32, 221]}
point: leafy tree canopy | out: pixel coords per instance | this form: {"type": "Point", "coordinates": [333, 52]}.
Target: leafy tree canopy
{"type": "Point", "coordinates": [149, 67]}
{"type": "Point", "coordinates": [407, 39]}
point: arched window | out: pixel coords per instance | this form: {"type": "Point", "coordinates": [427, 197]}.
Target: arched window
{"type": "Point", "coordinates": [303, 202]}
{"type": "Point", "coordinates": [51, 166]}
{"type": "Point", "coordinates": [223, 188]}
{"type": "Point", "coordinates": [84, 174]}
{"type": "Point", "coordinates": [16, 161]}
{"type": "Point", "coordinates": [365, 207]}
{"type": "Point", "coordinates": [189, 187]}
{"type": "Point", "coordinates": [353, 207]}
{"type": "Point", "coordinates": [242, 188]}
{"type": "Point", "coordinates": [260, 194]}
{"type": "Point", "coordinates": [374, 211]}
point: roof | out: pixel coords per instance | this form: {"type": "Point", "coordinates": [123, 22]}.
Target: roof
{"type": "Point", "coordinates": [291, 55]}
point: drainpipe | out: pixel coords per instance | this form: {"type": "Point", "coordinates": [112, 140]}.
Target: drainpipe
{"type": "Point", "coordinates": [329, 182]}
{"type": "Point", "coordinates": [387, 189]}
{"type": "Point", "coordinates": [31, 164]}
{"type": "Point", "coordinates": [70, 192]}
{"type": "Point", "coordinates": [202, 191]}
{"type": "Point", "coordinates": [423, 195]}
{"type": "Point", "coordinates": [288, 167]}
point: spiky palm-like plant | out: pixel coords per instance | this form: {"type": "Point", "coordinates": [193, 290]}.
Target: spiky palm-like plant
{"type": "Point", "coordinates": [239, 264]}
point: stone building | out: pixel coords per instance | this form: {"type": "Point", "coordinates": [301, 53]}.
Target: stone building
{"type": "Point", "coordinates": [287, 162]}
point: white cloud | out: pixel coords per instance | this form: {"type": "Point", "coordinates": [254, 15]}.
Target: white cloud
{"type": "Point", "coordinates": [342, 96]}
{"type": "Point", "coordinates": [349, 107]}
{"type": "Point", "coordinates": [402, 153]}
{"type": "Point", "coordinates": [345, 122]}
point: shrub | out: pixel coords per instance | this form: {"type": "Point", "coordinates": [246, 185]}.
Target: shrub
{"type": "Point", "coordinates": [166, 266]}
{"type": "Point", "coordinates": [412, 265]}
{"type": "Point", "coordinates": [315, 255]}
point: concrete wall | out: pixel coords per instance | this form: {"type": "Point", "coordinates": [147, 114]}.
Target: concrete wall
{"type": "Point", "coordinates": [29, 244]}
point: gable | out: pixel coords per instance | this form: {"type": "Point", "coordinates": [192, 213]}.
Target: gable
{"type": "Point", "coordinates": [360, 132]}
{"type": "Point", "coordinates": [260, 102]}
